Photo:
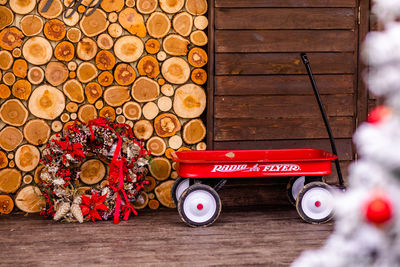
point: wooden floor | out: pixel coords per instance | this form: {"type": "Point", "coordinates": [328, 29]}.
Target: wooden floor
{"type": "Point", "coordinates": [264, 236]}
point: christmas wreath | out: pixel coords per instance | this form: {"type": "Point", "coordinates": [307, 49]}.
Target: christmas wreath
{"type": "Point", "coordinates": [68, 197]}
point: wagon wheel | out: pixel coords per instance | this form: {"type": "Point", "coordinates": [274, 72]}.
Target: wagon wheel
{"type": "Point", "coordinates": [314, 203]}
{"type": "Point", "coordinates": [293, 188]}
{"type": "Point", "coordinates": [199, 205]}
{"type": "Point", "coordinates": [180, 185]}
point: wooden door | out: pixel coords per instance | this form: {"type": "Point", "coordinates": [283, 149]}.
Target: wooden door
{"type": "Point", "coordinates": [260, 96]}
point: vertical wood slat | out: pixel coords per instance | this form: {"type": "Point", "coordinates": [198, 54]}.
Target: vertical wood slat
{"type": "Point", "coordinates": [362, 91]}
{"type": "Point", "coordinates": [211, 76]}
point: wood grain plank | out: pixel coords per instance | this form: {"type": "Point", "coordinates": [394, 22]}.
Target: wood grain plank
{"type": "Point", "coordinates": [344, 146]}
{"type": "Point", "coordinates": [211, 77]}
{"type": "Point", "coordinates": [286, 3]}
{"type": "Point", "coordinates": [284, 18]}
{"type": "Point", "coordinates": [283, 85]}
{"type": "Point", "coordinates": [282, 63]}
{"type": "Point", "coordinates": [260, 107]}
{"type": "Point", "coordinates": [282, 128]}
{"type": "Point", "coordinates": [259, 41]}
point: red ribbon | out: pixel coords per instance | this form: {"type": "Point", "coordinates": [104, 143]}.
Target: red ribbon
{"type": "Point", "coordinates": [115, 163]}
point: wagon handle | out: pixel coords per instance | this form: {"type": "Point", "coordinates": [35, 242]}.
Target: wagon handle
{"type": "Point", "coordinates": [306, 62]}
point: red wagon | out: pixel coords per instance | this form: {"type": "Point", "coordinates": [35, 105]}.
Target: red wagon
{"type": "Point", "coordinates": [203, 173]}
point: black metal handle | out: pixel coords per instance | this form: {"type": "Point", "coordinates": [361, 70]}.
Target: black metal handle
{"type": "Point", "coordinates": [306, 62]}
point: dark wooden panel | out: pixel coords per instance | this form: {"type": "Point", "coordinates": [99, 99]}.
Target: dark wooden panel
{"type": "Point", "coordinates": [333, 177]}
{"type": "Point", "coordinates": [284, 128]}
{"type": "Point", "coordinates": [285, 3]}
{"type": "Point", "coordinates": [283, 63]}
{"type": "Point", "coordinates": [344, 146]}
{"type": "Point", "coordinates": [284, 18]}
{"type": "Point", "coordinates": [283, 85]}
{"type": "Point", "coordinates": [260, 107]}
{"type": "Point", "coordinates": [255, 41]}
{"type": "Point", "coordinates": [211, 77]}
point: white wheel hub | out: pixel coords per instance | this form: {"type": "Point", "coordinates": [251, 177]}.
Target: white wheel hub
{"type": "Point", "coordinates": [182, 186]}
{"type": "Point", "coordinates": [297, 186]}
{"type": "Point", "coordinates": [317, 203]}
{"type": "Point", "coordinates": [199, 206]}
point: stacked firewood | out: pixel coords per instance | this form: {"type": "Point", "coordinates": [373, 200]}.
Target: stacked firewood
{"type": "Point", "coordinates": [136, 62]}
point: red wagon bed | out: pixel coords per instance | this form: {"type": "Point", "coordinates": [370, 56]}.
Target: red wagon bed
{"type": "Point", "coordinates": [253, 163]}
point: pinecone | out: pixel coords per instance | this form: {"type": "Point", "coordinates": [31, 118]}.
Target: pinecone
{"type": "Point", "coordinates": [76, 209]}
{"type": "Point", "coordinates": [62, 210]}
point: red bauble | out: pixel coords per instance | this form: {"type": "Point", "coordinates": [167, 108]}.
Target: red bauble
{"type": "Point", "coordinates": [378, 210]}
{"type": "Point", "coordinates": [379, 114]}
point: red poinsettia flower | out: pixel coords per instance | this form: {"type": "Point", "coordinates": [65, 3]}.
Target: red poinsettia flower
{"type": "Point", "coordinates": [90, 205]}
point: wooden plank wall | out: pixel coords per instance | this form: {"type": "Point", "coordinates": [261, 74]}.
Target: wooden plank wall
{"type": "Point", "coordinates": [262, 96]}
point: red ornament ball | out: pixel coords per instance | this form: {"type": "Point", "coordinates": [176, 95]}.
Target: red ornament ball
{"type": "Point", "coordinates": [379, 114]}
{"type": "Point", "coordinates": [378, 210]}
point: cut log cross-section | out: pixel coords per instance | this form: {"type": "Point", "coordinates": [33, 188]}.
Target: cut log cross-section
{"type": "Point", "coordinates": [20, 68]}
{"type": "Point", "coordinates": [10, 138]}
{"type": "Point", "coordinates": [197, 57]}
{"type": "Point", "coordinates": [10, 180]}
{"type": "Point", "coordinates": [112, 5]}
{"type": "Point", "coordinates": [175, 70]}
{"type": "Point", "coordinates": [55, 9]}
{"type": "Point", "coordinates": [13, 112]}
{"type": "Point", "coordinates": [105, 60]}
{"type": "Point", "coordinates": [37, 132]}
{"type": "Point", "coordinates": [109, 112]}
{"type": "Point", "coordinates": [46, 102]}
{"type": "Point", "coordinates": [132, 111]}
{"type": "Point", "coordinates": [29, 199]}
{"type": "Point", "coordinates": [37, 51]}
{"type": "Point", "coordinates": [152, 46]}
{"type": "Point", "coordinates": [148, 65]}
{"type": "Point", "coordinates": [132, 21]}
{"type": "Point", "coordinates": [199, 38]}
{"type": "Point", "coordinates": [171, 6]}
{"type": "Point", "coordinates": [163, 193]}
{"type": "Point", "coordinates": [27, 157]}
{"type": "Point", "coordinates": [143, 129]}
{"type": "Point", "coordinates": [128, 48]}
{"type": "Point", "coordinates": [189, 101]}
{"type": "Point", "coordinates": [31, 25]}
{"type": "Point", "coordinates": [56, 73]}
{"type": "Point", "coordinates": [158, 25]}
{"type": "Point", "coordinates": [160, 168]}
{"type": "Point", "coordinates": [87, 113]}
{"type": "Point", "coordinates": [141, 201]}
{"type": "Point", "coordinates": [6, 17]}
{"type": "Point", "coordinates": [86, 49]}
{"type": "Point", "coordinates": [183, 23]}
{"type": "Point", "coordinates": [196, 7]}
{"type": "Point", "coordinates": [35, 75]}
{"type": "Point", "coordinates": [6, 204]}
{"type": "Point", "coordinates": [94, 24]}
{"type": "Point", "coordinates": [146, 6]}
{"type": "Point", "coordinates": [201, 22]}
{"type": "Point", "coordinates": [150, 110]}
{"type": "Point", "coordinates": [3, 160]}
{"type": "Point", "coordinates": [6, 60]}
{"type": "Point", "coordinates": [199, 76]}
{"type": "Point", "coordinates": [124, 74]}
{"type": "Point", "coordinates": [175, 45]}
{"type": "Point", "coordinates": [22, 89]}
{"type": "Point", "coordinates": [92, 171]}
{"type": "Point", "coordinates": [145, 90]}
{"type": "Point", "coordinates": [5, 91]}
{"type": "Point", "coordinates": [86, 72]}
{"type": "Point", "coordinates": [64, 51]}
{"type": "Point", "coordinates": [10, 38]}
{"type": "Point", "coordinates": [74, 91]}
{"type": "Point", "coordinates": [156, 145]}
{"type": "Point", "coordinates": [93, 91]}
{"type": "Point", "coordinates": [54, 30]}
{"type": "Point", "coordinates": [194, 131]}
{"type": "Point", "coordinates": [116, 95]}
{"type": "Point", "coordinates": [166, 125]}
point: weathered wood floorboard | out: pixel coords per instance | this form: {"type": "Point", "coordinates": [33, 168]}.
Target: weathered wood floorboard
{"type": "Point", "coordinates": [266, 236]}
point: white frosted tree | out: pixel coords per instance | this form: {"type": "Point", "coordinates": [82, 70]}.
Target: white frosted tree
{"type": "Point", "coordinates": [367, 227]}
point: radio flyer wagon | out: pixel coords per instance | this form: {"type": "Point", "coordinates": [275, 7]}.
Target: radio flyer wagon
{"type": "Point", "coordinates": [203, 173]}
